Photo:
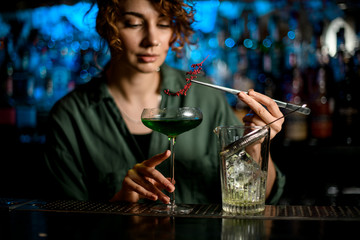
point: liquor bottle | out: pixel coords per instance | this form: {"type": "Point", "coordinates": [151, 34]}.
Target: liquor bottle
{"type": "Point", "coordinates": [347, 108]}
{"type": "Point", "coordinates": [23, 94]}
{"type": "Point", "coordinates": [7, 110]}
{"type": "Point", "coordinates": [322, 100]}
{"type": "Point", "coordinates": [296, 126]}
{"type": "Point", "coordinates": [7, 103]}
{"type": "Point", "coordinates": [267, 78]}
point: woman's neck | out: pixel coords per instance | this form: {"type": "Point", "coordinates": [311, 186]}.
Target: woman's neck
{"type": "Point", "coordinates": [132, 85]}
{"type": "Point", "coordinates": [132, 92]}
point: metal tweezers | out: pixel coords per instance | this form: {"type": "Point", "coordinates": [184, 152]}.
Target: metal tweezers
{"type": "Point", "coordinates": [300, 109]}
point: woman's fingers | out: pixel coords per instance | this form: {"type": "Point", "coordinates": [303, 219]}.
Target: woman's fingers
{"type": "Point", "coordinates": [263, 111]}
{"type": "Point", "coordinates": [154, 176]}
{"type": "Point", "coordinates": [252, 119]}
{"type": "Point", "coordinates": [147, 169]}
{"type": "Point", "coordinates": [256, 107]}
{"type": "Point", "coordinates": [270, 104]}
{"type": "Point", "coordinates": [143, 187]}
{"type": "Point", "coordinates": [130, 185]}
{"type": "Point", "coordinates": [148, 182]}
{"type": "Point", "coordinates": [157, 159]}
{"type": "Point", "coordinates": [256, 101]}
{"type": "Point", "coordinates": [144, 181]}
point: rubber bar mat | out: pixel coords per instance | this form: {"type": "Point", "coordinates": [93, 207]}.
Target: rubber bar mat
{"type": "Point", "coordinates": [9, 204]}
{"type": "Point", "coordinates": [205, 211]}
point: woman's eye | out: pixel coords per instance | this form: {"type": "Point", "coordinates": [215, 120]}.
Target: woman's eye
{"type": "Point", "coordinates": [132, 25]}
{"type": "Point", "coordinates": [164, 24]}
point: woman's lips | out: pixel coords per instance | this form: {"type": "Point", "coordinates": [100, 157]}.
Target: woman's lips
{"type": "Point", "coordinates": [148, 58]}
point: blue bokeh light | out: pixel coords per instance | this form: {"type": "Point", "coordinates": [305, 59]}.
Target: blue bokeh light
{"type": "Point", "coordinates": [252, 26]}
{"type": "Point", "coordinates": [205, 18]}
{"type": "Point", "coordinates": [213, 43]}
{"type": "Point", "coordinates": [196, 55]}
{"type": "Point", "coordinates": [248, 43]}
{"type": "Point", "coordinates": [262, 7]}
{"type": "Point", "coordinates": [291, 35]}
{"type": "Point", "coordinates": [75, 46]}
{"type": "Point", "coordinates": [231, 10]}
{"type": "Point", "coordinates": [39, 92]}
{"type": "Point", "coordinates": [229, 42]}
{"type": "Point", "coordinates": [267, 43]}
{"type": "Point", "coordinates": [64, 21]}
{"type": "Point", "coordinates": [84, 45]}
{"type": "Point", "coordinates": [84, 74]}
{"type": "Point", "coordinates": [51, 44]}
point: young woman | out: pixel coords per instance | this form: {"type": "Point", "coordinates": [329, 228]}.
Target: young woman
{"type": "Point", "coordinates": [97, 147]}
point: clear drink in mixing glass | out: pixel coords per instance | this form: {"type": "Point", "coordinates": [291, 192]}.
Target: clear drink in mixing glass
{"type": "Point", "coordinates": [243, 155]}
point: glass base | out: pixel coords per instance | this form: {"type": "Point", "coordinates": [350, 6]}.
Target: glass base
{"type": "Point", "coordinates": [244, 209]}
{"type": "Point", "coordinates": [172, 209]}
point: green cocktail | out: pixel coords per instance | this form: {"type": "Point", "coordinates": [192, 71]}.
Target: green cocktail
{"type": "Point", "coordinates": [171, 127]}
{"type": "Point", "coordinates": [172, 122]}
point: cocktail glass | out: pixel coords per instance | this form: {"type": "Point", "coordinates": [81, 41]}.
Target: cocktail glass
{"type": "Point", "coordinates": [172, 122]}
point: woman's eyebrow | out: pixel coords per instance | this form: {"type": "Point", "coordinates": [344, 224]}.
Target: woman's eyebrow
{"type": "Point", "coordinates": [136, 14]}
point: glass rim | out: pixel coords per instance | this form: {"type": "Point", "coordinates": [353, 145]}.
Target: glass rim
{"type": "Point", "coordinates": [159, 108]}
{"type": "Point", "coordinates": [240, 126]}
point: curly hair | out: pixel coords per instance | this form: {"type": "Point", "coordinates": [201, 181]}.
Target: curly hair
{"type": "Point", "coordinates": [180, 13]}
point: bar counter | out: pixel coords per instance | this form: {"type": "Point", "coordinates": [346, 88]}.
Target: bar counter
{"type": "Point", "coordinates": [68, 219]}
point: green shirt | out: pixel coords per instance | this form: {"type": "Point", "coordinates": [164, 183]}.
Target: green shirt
{"type": "Point", "coordinates": [90, 149]}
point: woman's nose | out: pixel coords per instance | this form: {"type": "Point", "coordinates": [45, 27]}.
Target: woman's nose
{"type": "Point", "coordinates": [151, 37]}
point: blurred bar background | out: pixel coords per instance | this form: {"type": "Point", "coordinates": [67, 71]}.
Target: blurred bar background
{"type": "Point", "coordinates": [295, 51]}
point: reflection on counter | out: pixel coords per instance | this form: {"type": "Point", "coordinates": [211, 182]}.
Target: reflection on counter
{"type": "Point", "coordinates": [244, 229]}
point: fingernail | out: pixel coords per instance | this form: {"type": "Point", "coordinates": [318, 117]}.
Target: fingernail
{"type": "Point", "coordinates": [241, 94]}
{"type": "Point", "coordinates": [170, 188]}
{"type": "Point", "coordinates": [165, 199]}
{"type": "Point", "coordinates": [154, 197]}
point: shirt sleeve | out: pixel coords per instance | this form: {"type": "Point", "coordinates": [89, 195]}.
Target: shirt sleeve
{"type": "Point", "coordinates": [278, 188]}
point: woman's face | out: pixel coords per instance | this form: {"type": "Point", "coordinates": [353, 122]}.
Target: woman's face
{"type": "Point", "coordinates": [145, 36]}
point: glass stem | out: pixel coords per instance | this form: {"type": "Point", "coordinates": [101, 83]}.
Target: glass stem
{"type": "Point", "coordinates": [172, 169]}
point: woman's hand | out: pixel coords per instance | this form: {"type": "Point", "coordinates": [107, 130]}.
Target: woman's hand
{"type": "Point", "coordinates": [259, 115]}
{"type": "Point", "coordinates": [263, 111]}
{"type": "Point", "coordinates": [144, 181]}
